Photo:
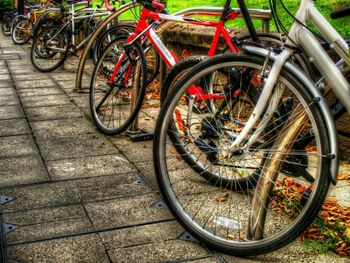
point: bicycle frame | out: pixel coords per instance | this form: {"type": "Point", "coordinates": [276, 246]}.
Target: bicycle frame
{"type": "Point", "coordinates": [75, 17]}
{"type": "Point", "coordinates": [143, 28]}
{"type": "Point", "coordinates": [336, 80]}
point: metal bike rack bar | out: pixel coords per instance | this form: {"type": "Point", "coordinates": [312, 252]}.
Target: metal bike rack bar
{"type": "Point", "coordinates": [264, 15]}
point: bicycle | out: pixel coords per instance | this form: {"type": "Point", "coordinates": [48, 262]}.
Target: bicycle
{"type": "Point", "coordinates": [265, 166]}
{"type": "Point", "coordinates": [52, 46]}
{"type": "Point", "coordinates": [114, 100]}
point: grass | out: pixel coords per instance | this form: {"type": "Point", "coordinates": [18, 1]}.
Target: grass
{"type": "Point", "coordinates": [324, 6]}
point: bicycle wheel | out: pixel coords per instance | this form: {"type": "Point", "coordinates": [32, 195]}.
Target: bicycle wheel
{"type": "Point", "coordinates": [22, 32]}
{"type": "Point", "coordinates": [6, 26]}
{"type": "Point", "coordinates": [216, 206]}
{"type": "Point", "coordinates": [115, 105]}
{"type": "Point", "coordinates": [49, 49]}
{"type": "Point", "coordinates": [106, 38]}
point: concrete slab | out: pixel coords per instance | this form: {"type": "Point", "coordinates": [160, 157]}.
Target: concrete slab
{"type": "Point", "coordinates": [5, 77]}
{"type": "Point", "coordinates": [14, 127]}
{"type": "Point", "coordinates": [127, 211]}
{"type": "Point", "coordinates": [17, 146]}
{"type": "Point", "coordinates": [9, 100]}
{"type": "Point", "coordinates": [35, 225]}
{"type": "Point", "coordinates": [36, 83]}
{"type": "Point", "coordinates": [11, 112]}
{"type": "Point", "coordinates": [4, 71]}
{"type": "Point", "coordinates": [108, 187]}
{"type": "Point", "coordinates": [39, 92]}
{"type": "Point", "coordinates": [61, 76]}
{"type": "Point", "coordinates": [139, 235]}
{"type": "Point", "coordinates": [89, 167]}
{"type": "Point", "coordinates": [45, 100]}
{"type": "Point", "coordinates": [81, 249]}
{"type": "Point", "coordinates": [54, 112]}
{"type": "Point", "coordinates": [82, 146]}
{"type": "Point", "coordinates": [40, 196]}
{"type": "Point", "coordinates": [22, 170]}
{"type": "Point", "coordinates": [7, 91]}
{"type": "Point", "coordinates": [6, 84]}
{"type": "Point", "coordinates": [61, 128]}
{"type": "Point", "coordinates": [23, 74]}
{"type": "Point", "coordinates": [158, 252]}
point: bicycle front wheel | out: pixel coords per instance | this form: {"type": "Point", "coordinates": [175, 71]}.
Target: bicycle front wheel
{"type": "Point", "coordinates": [250, 201]}
{"type": "Point", "coordinates": [118, 86]}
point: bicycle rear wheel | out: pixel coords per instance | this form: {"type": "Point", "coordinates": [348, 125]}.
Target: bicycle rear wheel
{"type": "Point", "coordinates": [206, 186]}
{"type": "Point", "coordinates": [49, 49]}
{"type": "Point", "coordinates": [22, 32]}
{"type": "Point", "coordinates": [115, 103]}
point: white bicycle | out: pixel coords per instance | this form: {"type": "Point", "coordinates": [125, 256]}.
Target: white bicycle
{"type": "Point", "coordinates": [265, 147]}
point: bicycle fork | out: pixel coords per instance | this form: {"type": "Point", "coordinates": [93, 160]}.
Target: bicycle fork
{"type": "Point", "coordinates": [269, 172]}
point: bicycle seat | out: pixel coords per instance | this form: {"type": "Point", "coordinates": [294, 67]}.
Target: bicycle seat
{"type": "Point", "coordinates": [340, 13]}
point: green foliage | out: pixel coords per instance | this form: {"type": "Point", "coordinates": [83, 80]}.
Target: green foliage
{"type": "Point", "coordinates": [5, 6]}
{"type": "Point", "coordinates": [324, 6]}
{"type": "Point", "coordinates": [321, 246]}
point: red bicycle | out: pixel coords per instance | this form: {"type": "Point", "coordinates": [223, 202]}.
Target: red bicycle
{"type": "Point", "coordinates": [119, 79]}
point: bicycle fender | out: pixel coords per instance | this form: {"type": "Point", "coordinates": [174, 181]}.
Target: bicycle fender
{"type": "Point", "coordinates": [316, 93]}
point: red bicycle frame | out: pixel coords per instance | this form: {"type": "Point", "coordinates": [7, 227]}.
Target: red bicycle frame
{"type": "Point", "coordinates": [144, 28]}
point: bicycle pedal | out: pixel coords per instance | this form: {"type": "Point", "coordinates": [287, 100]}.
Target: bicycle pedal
{"type": "Point", "coordinates": [140, 136]}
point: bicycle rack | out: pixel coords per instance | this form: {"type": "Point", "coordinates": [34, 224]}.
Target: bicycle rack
{"type": "Point", "coordinates": [134, 133]}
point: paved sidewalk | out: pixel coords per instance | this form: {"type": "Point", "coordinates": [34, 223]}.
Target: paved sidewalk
{"type": "Point", "coordinates": [80, 196]}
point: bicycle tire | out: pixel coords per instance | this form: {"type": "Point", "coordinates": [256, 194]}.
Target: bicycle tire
{"type": "Point", "coordinates": [104, 118]}
{"type": "Point", "coordinates": [41, 54]}
{"type": "Point", "coordinates": [18, 36]}
{"type": "Point", "coordinates": [114, 32]}
{"type": "Point", "coordinates": [217, 214]}
{"type": "Point", "coordinates": [6, 27]}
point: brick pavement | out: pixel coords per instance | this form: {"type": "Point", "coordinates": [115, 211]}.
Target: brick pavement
{"type": "Point", "coordinates": [77, 193]}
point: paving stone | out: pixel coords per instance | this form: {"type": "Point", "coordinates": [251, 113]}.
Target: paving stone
{"type": "Point", "coordinates": [11, 112]}
{"type": "Point", "coordinates": [147, 170]}
{"type": "Point", "coordinates": [17, 146]}
{"type": "Point", "coordinates": [67, 84]}
{"type": "Point", "coordinates": [107, 187]}
{"type": "Point", "coordinates": [61, 128]}
{"type": "Point", "coordinates": [4, 71]}
{"type": "Point", "coordinates": [139, 235]}
{"type": "Point", "coordinates": [39, 92]}
{"type": "Point", "coordinates": [7, 91]}
{"type": "Point", "coordinates": [5, 84]}
{"type": "Point", "coordinates": [81, 249]}
{"type": "Point", "coordinates": [9, 56]}
{"type": "Point", "coordinates": [54, 112]}
{"type": "Point", "coordinates": [22, 170]}
{"type": "Point", "coordinates": [126, 211]}
{"type": "Point", "coordinates": [203, 260]}
{"type": "Point", "coordinates": [40, 196]}
{"type": "Point", "coordinates": [89, 167]}
{"type": "Point", "coordinates": [5, 77]}
{"type": "Point", "coordinates": [8, 100]}
{"type": "Point", "coordinates": [158, 252]}
{"type": "Point", "coordinates": [82, 146]}
{"type": "Point", "coordinates": [61, 76]}
{"type": "Point", "coordinates": [341, 193]}
{"type": "Point", "coordinates": [46, 100]}
{"type": "Point", "coordinates": [42, 224]}
{"type": "Point", "coordinates": [14, 127]}
{"type": "Point", "coordinates": [39, 83]}
{"type": "Point", "coordinates": [23, 74]}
